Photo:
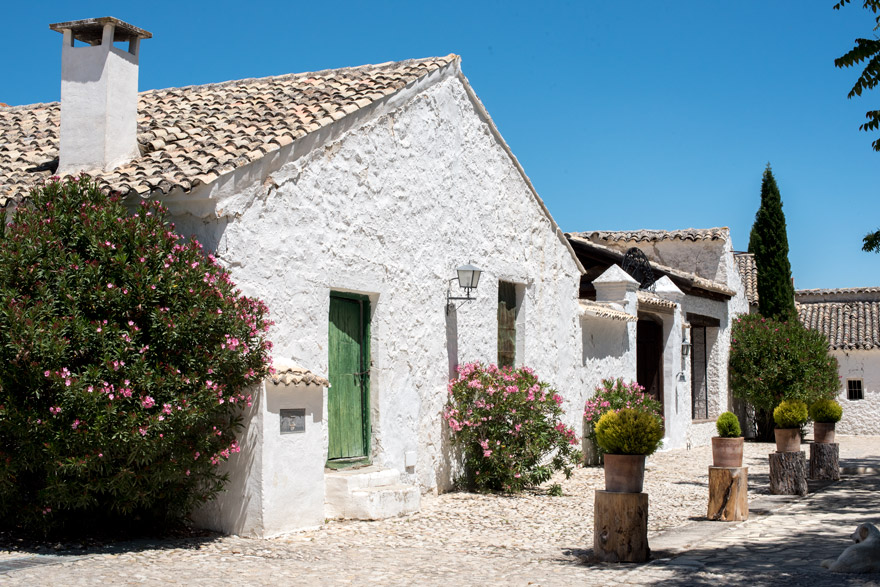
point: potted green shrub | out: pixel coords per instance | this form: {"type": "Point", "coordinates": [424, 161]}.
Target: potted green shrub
{"type": "Point", "coordinates": [825, 413]}
{"type": "Point", "coordinates": [627, 436]}
{"type": "Point", "coordinates": [789, 416]}
{"type": "Point", "coordinates": [727, 447]}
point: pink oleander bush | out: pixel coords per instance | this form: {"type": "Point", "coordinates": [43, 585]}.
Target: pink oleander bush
{"type": "Point", "coordinates": [125, 357]}
{"type": "Point", "coordinates": [614, 395]}
{"type": "Point", "coordinates": [507, 423]}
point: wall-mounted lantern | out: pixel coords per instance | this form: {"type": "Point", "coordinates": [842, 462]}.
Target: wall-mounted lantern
{"type": "Point", "coordinates": [468, 278]}
{"type": "Point", "coordinates": [685, 342]}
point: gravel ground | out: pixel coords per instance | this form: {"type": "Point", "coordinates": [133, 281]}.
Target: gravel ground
{"type": "Point", "coordinates": [478, 539]}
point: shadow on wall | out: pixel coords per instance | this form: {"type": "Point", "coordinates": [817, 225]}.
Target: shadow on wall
{"type": "Point", "coordinates": [449, 467]}
{"type": "Point", "coordinates": [603, 339]}
{"type": "Point", "coordinates": [232, 511]}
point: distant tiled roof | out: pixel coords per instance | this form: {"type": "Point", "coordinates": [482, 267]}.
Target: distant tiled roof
{"type": "Point", "coordinates": [193, 135]}
{"type": "Point", "coordinates": [851, 325]}
{"type": "Point", "coordinates": [687, 234]}
{"type": "Point", "coordinates": [600, 310]}
{"type": "Point", "coordinates": [745, 262]}
{"type": "Point", "coordinates": [839, 293]}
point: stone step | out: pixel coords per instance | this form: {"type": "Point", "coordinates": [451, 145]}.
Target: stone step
{"type": "Point", "coordinates": [370, 493]}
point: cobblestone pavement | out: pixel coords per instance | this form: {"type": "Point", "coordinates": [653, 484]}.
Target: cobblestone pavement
{"type": "Point", "coordinates": [533, 539]}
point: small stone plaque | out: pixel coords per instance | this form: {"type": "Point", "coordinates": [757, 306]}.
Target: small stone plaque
{"type": "Point", "coordinates": [293, 421]}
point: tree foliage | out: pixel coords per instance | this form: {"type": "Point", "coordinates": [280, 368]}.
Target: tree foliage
{"type": "Point", "coordinates": [124, 357]}
{"type": "Point", "coordinates": [769, 244]}
{"type": "Point", "coordinates": [772, 361]}
{"type": "Point", "coordinates": [866, 51]}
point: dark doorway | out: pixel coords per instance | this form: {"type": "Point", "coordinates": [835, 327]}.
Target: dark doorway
{"type": "Point", "coordinates": [649, 358]}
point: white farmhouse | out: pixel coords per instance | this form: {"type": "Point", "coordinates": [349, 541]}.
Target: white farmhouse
{"type": "Point", "coordinates": [347, 200]}
{"type": "Point", "coordinates": [850, 320]}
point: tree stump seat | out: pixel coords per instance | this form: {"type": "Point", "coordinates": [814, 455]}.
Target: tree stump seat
{"type": "Point", "coordinates": [620, 527]}
{"type": "Point", "coordinates": [825, 461]}
{"type": "Point", "coordinates": [788, 473]}
{"type": "Point", "coordinates": [728, 494]}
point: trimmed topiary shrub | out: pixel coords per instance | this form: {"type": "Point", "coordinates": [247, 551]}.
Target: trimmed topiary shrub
{"type": "Point", "coordinates": [125, 355]}
{"type": "Point", "coordinates": [629, 432]}
{"type": "Point", "coordinates": [790, 414]}
{"type": "Point", "coordinates": [728, 425]}
{"type": "Point", "coordinates": [826, 411]}
{"type": "Point", "coordinates": [615, 394]}
{"type": "Point", "coordinates": [773, 361]}
{"type": "Point", "coordinates": [508, 424]}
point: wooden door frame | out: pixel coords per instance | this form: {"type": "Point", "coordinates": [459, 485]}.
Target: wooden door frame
{"type": "Point", "coordinates": [342, 463]}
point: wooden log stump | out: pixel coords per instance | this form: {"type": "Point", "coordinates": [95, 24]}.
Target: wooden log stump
{"type": "Point", "coordinates": [620, 527]}
{"type": "Point", "coordinates": [825, 461]}
{"type": "Point", "coordinates": [788, 473]}
{"type": "Point", "coordinates": [728, 494]}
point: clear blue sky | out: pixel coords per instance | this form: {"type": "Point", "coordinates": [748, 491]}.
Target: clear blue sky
{"type": "Point", "coordinates": [625, 115]}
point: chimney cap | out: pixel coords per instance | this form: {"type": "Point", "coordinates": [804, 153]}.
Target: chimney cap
{"type": "Point", "coordinates": [90, 30]}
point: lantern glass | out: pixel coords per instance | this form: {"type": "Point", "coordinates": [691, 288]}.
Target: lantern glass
{"type": "Point", "coordinates": [468, 276]}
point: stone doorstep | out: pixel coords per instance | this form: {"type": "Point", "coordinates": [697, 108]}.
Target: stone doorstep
{"type": "Point", "coordinates": [369, 493]}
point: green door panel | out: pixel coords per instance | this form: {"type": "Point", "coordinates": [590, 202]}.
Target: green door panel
{"type": "Point", "coordinates": [348, 379]}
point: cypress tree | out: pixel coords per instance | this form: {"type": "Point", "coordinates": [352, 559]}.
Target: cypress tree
{"type": "Point", "coordinates": [769, 244]}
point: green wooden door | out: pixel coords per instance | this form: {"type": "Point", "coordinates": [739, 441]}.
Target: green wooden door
{"type": "Point", "coordinates": [349, 378]}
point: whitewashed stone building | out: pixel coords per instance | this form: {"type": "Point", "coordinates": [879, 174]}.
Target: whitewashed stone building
{"type": "Point", "coordinates": [681, 309]}
{"type": "Point", "coordinates": [345, 199]}
{"type": "Point", "coordinates": [850, 320]}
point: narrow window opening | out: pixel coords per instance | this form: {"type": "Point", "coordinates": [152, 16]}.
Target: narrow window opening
{"type": "Point", "coordinates": [854, 389]}
{"type": "Point", "coordinates": [507, 314]}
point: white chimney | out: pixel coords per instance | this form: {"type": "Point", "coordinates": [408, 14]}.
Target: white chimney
{"type": "Point", "coordinates": [99, 94]}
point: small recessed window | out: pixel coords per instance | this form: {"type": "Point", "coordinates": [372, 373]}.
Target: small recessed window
{"type": "Point", "coordinates": [854, 389]}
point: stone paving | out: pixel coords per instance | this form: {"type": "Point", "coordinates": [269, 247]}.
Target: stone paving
{"type": "Point", "coordinates": [532, 539]}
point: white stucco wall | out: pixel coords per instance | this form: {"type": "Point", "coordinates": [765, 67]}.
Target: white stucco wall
{"type": "Point", "coordinates": [389, 209]}
{"type": "Point", "coordinates": [860, 416]}
{"type": "Point", "coordinates": [704, 257]}
{"type": "Point", "coordinates": [276, 482]}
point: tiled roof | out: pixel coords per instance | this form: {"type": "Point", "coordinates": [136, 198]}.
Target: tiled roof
{"type": "Point", "coordinates": [839, 293]}
{"type": "Point", "coordinates": [601, 310]}
{"type": "Point", "coordinates": [745, 262]}
{"type": "Point", "coordinates": [847, 325]}
{"type": "Point", "coordinates": [289, 373]}
{"type": "Point", "coordinates": [193, 135]}
{"type": "Point", "coordinates": [651, 300]}
{"type": "Point", "coordinates": [687, 234]}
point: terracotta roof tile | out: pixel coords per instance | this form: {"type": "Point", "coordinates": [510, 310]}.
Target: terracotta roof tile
{"type": "Point", "coordinates": [652, 300]}
{"type": "Point", "coordinates": [847, 325]}
{"type": "Point", "coordinates": [745, 262]}
{"type": "Point", "coordinates": [602, 310]}
{"type": "Point", "coordinates": [687, 234]}
{"type": "Point", "coordinates": [193, 134]}
{"type": "Point", "coordinates": [289, 373]}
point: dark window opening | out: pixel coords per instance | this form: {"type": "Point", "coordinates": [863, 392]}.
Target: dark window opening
{"type": "Point", "coordinates": [507, 311]}
{"type": "Point", "coordinates": [854, 389]}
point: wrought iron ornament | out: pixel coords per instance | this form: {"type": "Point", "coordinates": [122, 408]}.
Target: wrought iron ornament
{"type": "Point", "coordinates": [637, 265]}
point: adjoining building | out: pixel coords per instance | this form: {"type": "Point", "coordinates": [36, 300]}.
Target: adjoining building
{"type": "Point", "coordinates": [850, 320]}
